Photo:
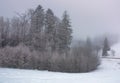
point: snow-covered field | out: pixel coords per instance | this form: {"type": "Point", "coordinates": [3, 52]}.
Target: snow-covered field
{"type": "Point", "coordinates": [107, 72]}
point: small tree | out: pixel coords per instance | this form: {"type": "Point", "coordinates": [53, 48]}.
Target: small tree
{"type": "Point", "coordinates": [106, 47]}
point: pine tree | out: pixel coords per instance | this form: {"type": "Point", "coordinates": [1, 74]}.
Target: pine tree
{"type": "Point", "coordinates": [64, 33]}
{"type": "Point", "coordinates": [106, 47]}
{"type": "Point", "coordinates": [50, 30]}
{"type": "Point", "coordinates": [36, 30]}
{"type": "Point", "coordinates": [37, 20]}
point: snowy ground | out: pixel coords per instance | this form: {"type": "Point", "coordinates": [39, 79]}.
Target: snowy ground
{"type": "Point", "coordinates": [108, 72]}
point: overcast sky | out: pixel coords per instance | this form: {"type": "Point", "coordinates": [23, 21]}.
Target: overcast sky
{"type": "Point", "coordinates": [88, 17]}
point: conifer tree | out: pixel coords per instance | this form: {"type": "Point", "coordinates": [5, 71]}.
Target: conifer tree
{"type": "Point", "coordinates": [36, 30]}
{"type": "Point", "coordinates": [106, 47]}
{"type": "Point", "coordinates": [50, 30]}
{"type": "Point", "coordinates": [64, 33]}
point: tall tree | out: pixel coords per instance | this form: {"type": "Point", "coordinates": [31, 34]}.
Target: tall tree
{"type": "Point", "coordinates": [4, 31]}
{"type": "Point", "coordinates": [50, 30]}
{"type": "Point", "coordinates": [106, 47]}
{"type": "Point", "coordinates": [2, 26]}
{"type": "Point", "coordinates": [15, 31]}
{"type": "Point", "coordinates": [64, 33]}
{"type": "Point", "coordinates": [24, 25]}
{"type": "Point", "coordinates": [36, 30]}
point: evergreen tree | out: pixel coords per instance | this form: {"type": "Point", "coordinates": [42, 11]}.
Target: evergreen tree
{"type": "Point", "coordinates": [106, 47]}
{"type": "Point", "coordinates": [50, 30]}
{"type": "Point", "coordinates": [37, 20]}
{"type": "Point", "coordinates": [64, 33]}
{"type": "Point", "coordinates": [36, 30]}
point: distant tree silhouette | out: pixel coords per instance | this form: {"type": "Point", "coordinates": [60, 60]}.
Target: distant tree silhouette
{"type": "Point", "coordinates": [106, 47]}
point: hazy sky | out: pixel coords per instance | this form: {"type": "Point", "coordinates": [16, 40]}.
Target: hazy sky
{"type": "Point", "coordinates": [88, 17]}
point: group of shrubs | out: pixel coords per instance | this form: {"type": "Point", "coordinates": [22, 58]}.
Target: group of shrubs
{"type": "Point", "coordinates": [78, 59]}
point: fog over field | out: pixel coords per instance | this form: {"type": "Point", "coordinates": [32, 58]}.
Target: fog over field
{"type": "Point", "coordinates": [88, 17]}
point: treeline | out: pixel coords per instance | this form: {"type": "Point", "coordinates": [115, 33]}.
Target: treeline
{"type": "Point", "coordinates": [40, 40]}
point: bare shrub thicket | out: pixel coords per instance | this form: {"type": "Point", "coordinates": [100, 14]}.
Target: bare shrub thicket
{"type": "Point", "coordinates": [16, 57]}
{"type": "Point", "coordinates": [85, 58]}
{"type": "Point", "coordinates": [77, 60]}
{"type": "Point", "coordinates": [22, 57]}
